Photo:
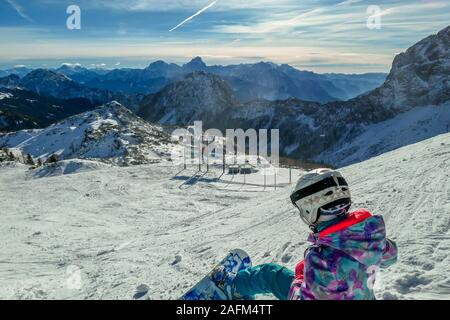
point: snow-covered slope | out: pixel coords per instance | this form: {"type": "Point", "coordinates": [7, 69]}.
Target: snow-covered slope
{"type": "Point", "coordinates": [407, 128]}
{"type": "Point", "coordinates": [99, 234]}
{"type": "Point", "coordinates": [110, 133]}
{"type": "Point", "coordinates": [411, 188]}
{"type": "Point", "coordinates": [16, 138]}
{"type": "Point", "coordinates": [66, 167]}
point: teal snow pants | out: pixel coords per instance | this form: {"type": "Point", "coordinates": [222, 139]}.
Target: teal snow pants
{"type": "Point", "coordinates": [264, 279]}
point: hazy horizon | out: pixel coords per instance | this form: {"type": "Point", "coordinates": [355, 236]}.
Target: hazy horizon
{"type": "Point", "coordinates": [134, 64]}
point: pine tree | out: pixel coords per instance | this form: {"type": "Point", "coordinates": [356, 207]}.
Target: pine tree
{"type": "Point", "coordinates": [29, 160]}
{"type": "Point", "coordinates": [53, 159]}
{"type": "Point", "coordinates": [39, 162]}
{"type": "Point", "coordinates": [4, 155]}
{"type": "Point", "coordinates": [11, 156]}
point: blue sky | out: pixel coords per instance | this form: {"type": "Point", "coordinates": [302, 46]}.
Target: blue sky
{"type": "Point", "coordinates": [318, 35]}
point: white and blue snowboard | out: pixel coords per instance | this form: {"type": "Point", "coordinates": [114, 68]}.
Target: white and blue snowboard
{"type": "Point", "coordinates": [217, 284]}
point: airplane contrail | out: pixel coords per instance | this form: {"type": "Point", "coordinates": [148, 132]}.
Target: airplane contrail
{"type": "Point", "coordinates": [193, 16]}
{"type": "Point", "coordinates": [19, 9]}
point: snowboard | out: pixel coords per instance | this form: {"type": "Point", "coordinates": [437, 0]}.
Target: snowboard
{"type": "Point", "coordinates": [211, 286]}
{"type": "Point", "coordinates": [141, 292]}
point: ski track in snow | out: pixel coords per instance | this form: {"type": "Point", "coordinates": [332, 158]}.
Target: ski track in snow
{"type": "Point", "coordinates": [121, 227]}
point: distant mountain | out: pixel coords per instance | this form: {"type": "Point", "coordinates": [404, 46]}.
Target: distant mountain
{"type": "Point", "coordinates": [80, 74]}
{"type": "Point", "coordinates": [274, 82]}
{"type": "Point", "coordinates": [262, 80]}
{"type": "Point", "coordinates": [51, 84]}
{"type": "Point", "coordinates": [138, 81]}
{"type": "Point", "coordinates": [110, 133]}
{"type": "Point", "coordinates": [11, 81]}
{"type": "Point", "coordinates": [354, 85]}
{"type": "Point", "coordinates": [196, 64]}
{"type": "Point", "coordinates": [22, 109]}
{"type": "Point", "coordinates": [19, 71]}
{"type": "Point", "coordinates": [199, 95]}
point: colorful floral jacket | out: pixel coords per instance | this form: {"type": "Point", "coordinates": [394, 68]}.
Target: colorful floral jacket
{"type": "Point", "coordinates": [342, 262]}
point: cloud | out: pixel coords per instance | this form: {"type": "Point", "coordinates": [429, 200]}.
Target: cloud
{"type": "Point", "coordinates": [98, 65]}
{"type": "Point", "coordinates": [71, 65]}
{"type": "Point", "coordinates": [347, 3]}
{"type": "Point", "coordinates": [193, 16]}
{"type": "Point", "coordinates": [324, 20]}
{"type": "Point", "coordinates": [19, 9]}
{"type": "Point", "coordinates": [272, 25]}
{"type": "Point", "coordinates": [184, 5]}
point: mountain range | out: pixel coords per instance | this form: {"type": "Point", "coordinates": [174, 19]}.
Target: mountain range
{"type": "Point", "coordinates": [419, 78]}
{"type": "Point", "coordinates": [130, 86]}
{"type": "Point", "coordinates": [410, 105]}
{"type": "Point", "coordinates": [49, 83]}
{"type": "Point", "coordinates": [263, 80]}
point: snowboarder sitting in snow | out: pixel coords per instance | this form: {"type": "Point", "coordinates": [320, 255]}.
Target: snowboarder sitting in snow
{"type": "Point", "coordinates": [347, 248]}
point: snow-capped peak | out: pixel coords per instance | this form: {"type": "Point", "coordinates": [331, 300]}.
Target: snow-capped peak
{"type": "Point", "coordinates": [114, 104]}
{"type": "Point", "coordinates": [418, 76]}
{"type": "Point", "coordinates": [111, 133]}
{"type": "Point", "coordinates": [5, 95]}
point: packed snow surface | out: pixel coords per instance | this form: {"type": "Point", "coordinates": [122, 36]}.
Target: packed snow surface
{"type": "Point", "coordinates": [98, 234]}
{"type": "Point", "coordinates": [66, 167]}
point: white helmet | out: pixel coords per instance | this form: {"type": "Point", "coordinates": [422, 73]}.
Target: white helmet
{"type": "Point", "coordinates": [321, 195]}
